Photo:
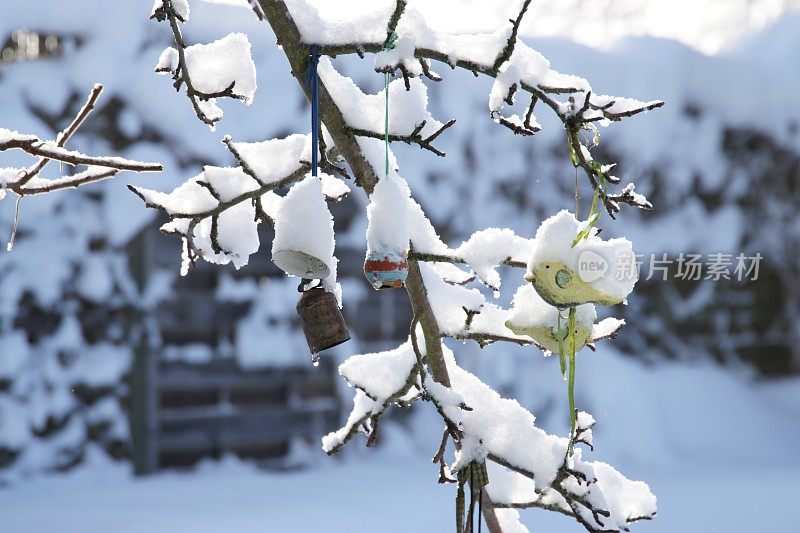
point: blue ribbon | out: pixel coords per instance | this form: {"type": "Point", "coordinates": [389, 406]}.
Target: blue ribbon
{"type": "Point", "coordinates": [312, 82]}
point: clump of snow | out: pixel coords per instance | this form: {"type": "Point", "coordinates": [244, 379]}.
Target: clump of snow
{"type": "Point", "coordinates": [525, 67]}
{"type": "Point", "coordinates": [584, 424]}
{"type": "Point", "coordinates": [304, 224]}
{"type": "Point", "coordinates": [236, 235]}
{"type": "Point", "coordinates": [167, 61]}
{"type": "Point", "coordinates": [488, 248]}
{"type": "Point", "coordinates": [189, 198]}
{"type": "Point", "coordinates": [507, 76]}
{"type": "Point", "coordinates": [608, 327]}
{"type": "Point", "coordinates": [225, 63]}
{"type": "Point", "coordinates": [181, 8]}
{"type": "Point", "coordinates": [380, 375]}
{"type": "Point", "coordinates": [273, 160]}
{"type": "Point", "coordinates": [471, 450]}
{"type": "Point", "coordinates": [8, 136]}
{"type": "Point", "coordinates": [402, 55]}
{"type": "Point", "coordinates": [505, 428]}
{"type": "Point", "coordinates": [334, 188]}
{"type": "Point", "coordinates": [626, 499]}
{"type": "Point", "coordinates": [423, 234]}
{"type": "Point", "coordinates": [202, 193]}
{"type": "Point", "coordinates": [408, 109]}
{"type": "Point", "coordinates": [228, 182]}
{"type": "Point", "coordinates": [448, 301]}
{"type": "Point", "coordinates": [510, 521]}
{"type": "Point", "coordinates": [341, 22]}
{"type": "Point", "coordinates": [363, 406]}
{"type": "Point", "coordinates": [555, 80]}
{"type": "Point", "coordinates": [388, 227]}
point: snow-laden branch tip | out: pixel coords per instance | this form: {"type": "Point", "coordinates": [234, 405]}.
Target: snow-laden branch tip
{"type": "Point", "coordinates": [223, 68]}
{"type": "Point", "coordinates": [410, 121]}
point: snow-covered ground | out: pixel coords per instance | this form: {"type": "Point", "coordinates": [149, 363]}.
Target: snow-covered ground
{"type": "Point", "coordinates": [387, 495]}
{"type": "Point", "coordinates": [715, 449]}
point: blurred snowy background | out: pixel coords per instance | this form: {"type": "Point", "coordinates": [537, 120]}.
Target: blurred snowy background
{"type": "Point", "coordinates": [699, 395]}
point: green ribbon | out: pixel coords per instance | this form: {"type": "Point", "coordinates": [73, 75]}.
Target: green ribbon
{"type": "Point", "coordinates": [388, 46]}
{"type": "Point", "coordinates": [571, 386]}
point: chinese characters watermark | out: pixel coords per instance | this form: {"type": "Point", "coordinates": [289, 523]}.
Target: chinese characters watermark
{"type": "Point", "coordinates": [685, 266]}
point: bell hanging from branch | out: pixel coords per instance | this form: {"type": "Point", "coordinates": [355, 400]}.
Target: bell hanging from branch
{"type": "Point", "coordinates": [303, 244]}
{"type": "Point", "coordinates": [386, 264]}
{"type": "Point", "coordinates": [322, 321]}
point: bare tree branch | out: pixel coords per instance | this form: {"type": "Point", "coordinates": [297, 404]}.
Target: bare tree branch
{"type": "Point", "coordinates": [413, 138]}
{"type": "Point", "coordinates": [508, 49]}
{"type": "Point", "coordinates": [63, 137]}
{"type": "Point", "coordinates": [442, 258]}
{"type": "Point", "coordinates": [44, 149]}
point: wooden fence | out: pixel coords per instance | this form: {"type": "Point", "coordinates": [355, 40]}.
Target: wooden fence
{"type": "Point", "coordinates": [182, 412]}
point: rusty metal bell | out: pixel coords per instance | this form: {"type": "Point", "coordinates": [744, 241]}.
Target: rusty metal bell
{"type": "Point", "coordinates": [323, 323]}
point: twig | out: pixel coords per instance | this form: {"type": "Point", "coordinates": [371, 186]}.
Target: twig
{"type": "Point", "coordinates": [63, 136]}
{"type": "Point", "coordinates": [46, 150]}
{"type": "Point", "coordinates": [485, 339]}
{"type": "Point", "coordinates": [439, 457]}
{"type": "Point", "coordinates": [413, 138]}
{"type": "Point", "coordinates": [508, 49]}
{"type": "Point", "coordinates": [443, 258]}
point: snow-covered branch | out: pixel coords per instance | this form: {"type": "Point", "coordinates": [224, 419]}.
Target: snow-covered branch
{"type": "Point", "coordinates": [46, 149]}
{"type": "Point", "coordinates": [501, 55]}
{"type": "Point", "coordinates": [217, 211]}
{"type": "Point", "coordinates": [220, 69]}
{"type": "Point", "coordinates": [26, 181]}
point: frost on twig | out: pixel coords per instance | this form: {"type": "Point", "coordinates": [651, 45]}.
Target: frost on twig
{"type": "Point", "coordinates": [223, 68]}
{"type": "Point", "coordinates": [27, 182]}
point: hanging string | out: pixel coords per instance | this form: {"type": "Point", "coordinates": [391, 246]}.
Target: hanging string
{"type": "Point", "coordinates": [388, 46]}
{"type": "Point", "coordinates": [312, 82]}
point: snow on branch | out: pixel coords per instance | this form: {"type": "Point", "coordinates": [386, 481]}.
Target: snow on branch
{"type": "Point", "coordinates": [382, 379]}
{"type": "Point", "coordinates": [223, 68]}
{"type": "Point", "coordinates": [218, 210]}
{"type": "Point", "coordinates": [409, 118]}
{"type": "Point", "coordinates": [598, 496]}
{"type": "Point", "coordinates": [502, 55]}
{"type": "Point", "coordinates": [528, 467]}
{"type": "Point", "coordinates": [465, 314]}
{"type": "Point", "coordinates": [49, 150]}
